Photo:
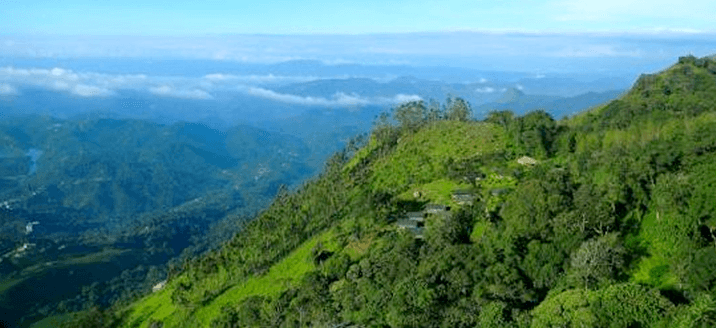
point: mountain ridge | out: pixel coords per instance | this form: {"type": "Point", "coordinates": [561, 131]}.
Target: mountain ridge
{"type": "Point", "coordinates": [611, 225]}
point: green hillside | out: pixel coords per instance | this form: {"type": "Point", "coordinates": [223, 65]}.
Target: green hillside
{"type": "Point", "coordinates": [605, 219]}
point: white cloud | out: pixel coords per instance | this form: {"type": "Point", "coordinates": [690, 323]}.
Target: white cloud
{"type": "Point", "coordinates": [482, 80]}
{"type": "Point", "coordinates": [90, 91]}
{"type": "Point", "coordinates": [91, 84]}
{"type": "Point", "coordinates": [401, 98]}
{"type": "Point", "coordinates": [339, 99]}
{"type": "Point", "coordinates": [485, 90]}
{"type": "Point", "coordinates": [6, 89]}
{"type": "Point", "coordinates": [168, 91]}
{"type": "Point", "coordinates": [519, 87]}
{"type": "Point", "coordinates": [81, 84]}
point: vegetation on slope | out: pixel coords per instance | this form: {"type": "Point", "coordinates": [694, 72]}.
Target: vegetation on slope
{"type": "Point", "coordinates": [613, 227]}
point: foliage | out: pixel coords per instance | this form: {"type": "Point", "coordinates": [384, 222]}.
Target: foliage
{"type": "Point", "coordinates": [614, 227]}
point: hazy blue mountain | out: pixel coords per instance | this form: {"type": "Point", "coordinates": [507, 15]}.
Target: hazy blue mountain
{"type": "Point", "coordinates": [519, 102]}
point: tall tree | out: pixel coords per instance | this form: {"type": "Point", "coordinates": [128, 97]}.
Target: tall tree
{"type": "Point", "coordinates": [457, 109]}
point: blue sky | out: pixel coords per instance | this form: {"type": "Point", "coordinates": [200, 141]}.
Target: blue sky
{"type": "Point", "coordinates": [182, 17]}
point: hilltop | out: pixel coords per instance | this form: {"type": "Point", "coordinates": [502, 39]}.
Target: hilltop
{"type": "Point", "coordinates": [604, 219]}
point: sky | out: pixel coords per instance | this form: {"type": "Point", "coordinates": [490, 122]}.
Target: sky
{"type": "Point", "coordinates": [40, 38]}
{"type": "Point", "coordinates": [191, 17]}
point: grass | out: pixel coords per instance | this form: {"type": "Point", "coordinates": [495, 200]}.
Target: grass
{"type": "Point", "coordinates": [478, 230]}
{"type": "Point", "coordinates": [420, 158]}
{"type": "Point", "coordinates": [281, 276]}
{"type": "Point", "coordinates": [663, 240]}
{"type": "Point", "coordinates": [655, 270]}
{"type": "Point", "coordinates": [357, 248]}
{"type": "Point", "coordinates": [157, 306]}
{"type": "Point", "coordinates": [438, 191]}
{"type": "Point", "coordinates": [361, 154]}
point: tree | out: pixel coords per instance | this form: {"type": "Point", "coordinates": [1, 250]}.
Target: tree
{"type": "Point", "coordinates": [434, 112]}
{"type": "Point", "coordinates": [597, 260]}
{"type": "Point", "coordinates": [543, 264]}
{"type": "Point", "coordinates": [383, 131]}
{"type": "Point", "coordinates": [570, 308]}
{"type": "Point", "coordinates": [536, 133]}
{"type": "Point", "coordinates": [411, 115]}
{"type": "Point", "coordinates": [457, 109]}
{"type": "Point", "coordinates": [503, 117]}
{"type": "Point", "coordinates": [629, 305]}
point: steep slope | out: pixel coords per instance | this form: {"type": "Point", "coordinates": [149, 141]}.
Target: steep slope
{"type": "Point", "coordinates": [602, 220]}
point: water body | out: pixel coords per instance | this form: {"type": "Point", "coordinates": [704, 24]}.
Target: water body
{"type": "Point", "coordinates": [34, 155]}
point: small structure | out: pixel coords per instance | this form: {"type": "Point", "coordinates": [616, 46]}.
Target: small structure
{"type": "Point", "coordinates": [436, 208]}
{"type": "Point", "coordinates": [527, 161]}
{"type": "Point", "coordinates": [159, 286]}
{"type": "Point", "coordinates": [416, 216]}
{"type": "Point", "coordinates": [413, 222]}
{"type": "Point", "coordinates": [463, 197]}
{"type": "Point", "coordinates": [406, 223]}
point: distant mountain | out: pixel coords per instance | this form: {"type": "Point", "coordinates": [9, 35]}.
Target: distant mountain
{"type": "Point", "coordinates": [571, 86]}
{"type": "Point", "coordinates": [519, 102]}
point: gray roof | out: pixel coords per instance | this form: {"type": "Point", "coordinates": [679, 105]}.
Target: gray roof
{"type": "Point", "coordinates": [407, 223]}
{"type": "Point", "coordinates": [415, 215]}
{"type": "Point", "coordinates": [436, 208]}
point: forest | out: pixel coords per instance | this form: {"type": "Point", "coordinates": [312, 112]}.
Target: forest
{"type": "Point", "coordinates": [613, 224]}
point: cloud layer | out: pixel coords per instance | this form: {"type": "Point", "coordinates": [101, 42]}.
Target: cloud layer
{"type": "Point", "coordinates": [6, 89]}
{"type": "Point", "coordinates": [91, 84]}
{"type": "Point", "coordinates": [339, 99]}
{"type": "Point", "coordinates": [168, 91]}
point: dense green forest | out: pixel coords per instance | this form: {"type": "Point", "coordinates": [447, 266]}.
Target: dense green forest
{"type": "Point", "coordinates": [609, 221]}
{"type": "Point", "coordinates": [100, 209]}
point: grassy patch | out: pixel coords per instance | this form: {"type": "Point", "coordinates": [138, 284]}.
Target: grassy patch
{"type": "Point", "coordinates": [478, 230]}
{"type": "Point", "coordinates": [281, 276]}
{"type": "Point", "coordinates": [157, 306]}
{"type": "Point", "coordinates": [420, 158]}
{"type": "Point", "coordinates": [291, 269]}
{"type": "Point", "coordinates": [438, 191]}
{"type": "Point", "coordinates": [360, 155]}
{"type": "Point", "coordinates": [357, 248]}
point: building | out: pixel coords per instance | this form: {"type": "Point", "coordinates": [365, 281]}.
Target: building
{"type": "Point", "coordinates": [463, 197]}
{"type": "Point", "coordinates": [416, 216]}
{"type": "Point", "coordinates": [436, 208]}
{"type": "Point", "coordinates": [405, 223]}
{"type": "Point", "coordinates": [413, 222]}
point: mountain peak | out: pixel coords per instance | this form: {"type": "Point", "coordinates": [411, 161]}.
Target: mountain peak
{"type": "Point", "coordinates": [511, 95]}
